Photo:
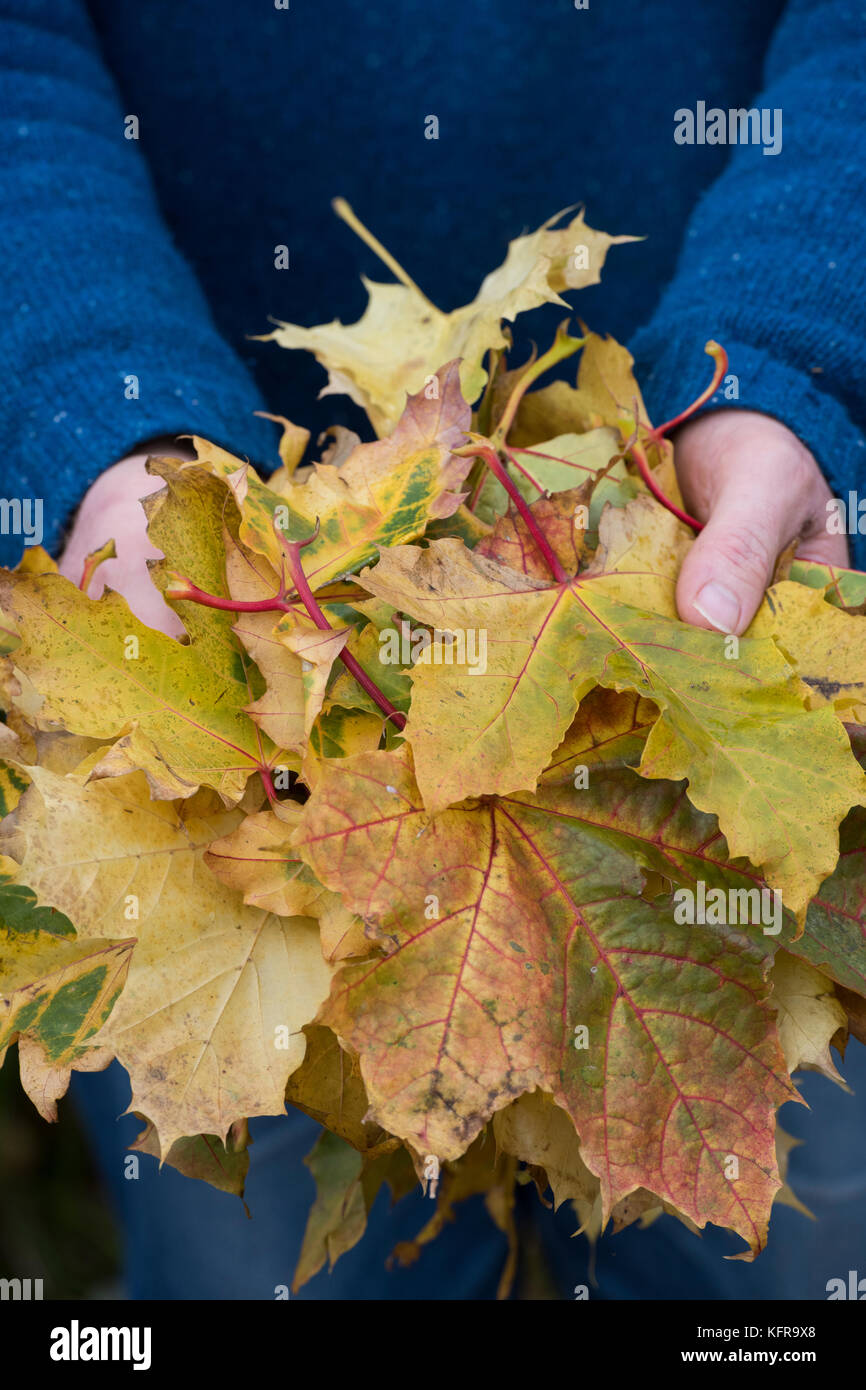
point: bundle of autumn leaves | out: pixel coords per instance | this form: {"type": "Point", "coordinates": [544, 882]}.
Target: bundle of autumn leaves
{"type": "Point", "coordinates": [432, 902]}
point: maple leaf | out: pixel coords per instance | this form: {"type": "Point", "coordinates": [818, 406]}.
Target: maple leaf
{"type": "Point", "coordinates": [337, 733]}
{"type": "Point", "coordinates": [203, 1156]}
{"type": "Point", "coordinates": [280, 711]}
{"type": "Point", "coordinates": [102, 852]}
{"type": "Point", "coordinates": [208, 1026]}
{"type": "Point", "coordinates": [603, 399]}
{"type": "Point", "coordinates": [537, 1132]}
{"type": "Point", "coordinates": [12, 783]}
{"type": "Point", "coordinates": [842, 587]}
{"type": "Point", "coordinates": [480, 1171]}
{"type": "Point", "coordinates": [317, 650]}
{"type": "Point", "coordinates": [188, 521]}
{"type": "Point", "coordinates": [657, 825]}
{"type": "Point", "coordinates": [402, 338]}
{"type": "Point", "coordinates": [351, 1159]}
{"type": "Point", "coordinates": [101, 672]}
{"type": "Point", "coordinates": [257, 859]}
{"type": "Point", "coordinates": [55, 993]}
{"type": "Point", "coordinates": [383, 493]}
{"type": "Point", "coordinates": [55, 990]}
{"type": "Point", "coordinates": [825, 645]}
{"type": "Point", "coordinates": [297, 659]}
{"type": "Point", "coordinates": [735, 729]}
{"type": "Point", "coordinates": [211, 981]}
{"type": "Point", "coordinates": [338, 1216]}
{"type": "Point", "coordinates": [327, 1086]}
{"type": "Point", "coordinates": [606, 402]}
{"type": "Point", "coordinates": [809, 1015]}
{"type": "Point", "coordinates": [536, 931]}
{"type": "Point", "coordinates": [291, 448]}
{"type": "Point", "coordinates": [670, 838]}
{"type": "Point", "coordinates": [566, 461]}
{"type": "Point", "coordinates": [564, 464]}
{"type": "Point", "coordinates": [834, 939]}
{"type": "Point", "coordinates": [512, 545]}
{"type": "Point", "coordinates": [347, 1185]}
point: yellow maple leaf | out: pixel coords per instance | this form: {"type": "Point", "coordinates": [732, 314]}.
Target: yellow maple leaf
{"type": "Point", "coordinates": [402, 339]}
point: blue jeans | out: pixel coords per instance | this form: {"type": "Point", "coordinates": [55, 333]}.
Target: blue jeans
{"type": "Point", "coordinates": [185, 1240]}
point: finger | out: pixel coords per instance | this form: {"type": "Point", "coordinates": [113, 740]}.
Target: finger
{"type": "Point", "coordinates": [727, 570]}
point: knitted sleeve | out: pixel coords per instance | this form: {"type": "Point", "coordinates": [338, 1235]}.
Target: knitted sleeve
{"type": "Point", "coordinates": [105, 337]}
{"type": "Point", "coordinates": [773, 264]}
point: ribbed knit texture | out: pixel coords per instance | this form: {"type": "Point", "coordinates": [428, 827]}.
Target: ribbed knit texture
{"type": "Point", "coordinates": [155, 257]}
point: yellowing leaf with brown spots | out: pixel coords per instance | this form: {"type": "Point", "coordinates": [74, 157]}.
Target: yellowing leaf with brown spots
{"type": "Point", "coordinates": [209, 1024]}
{"type": "Point", "coordinates": [202, 1156]}
{"type": "Point", "coordinates": [825, 645]}
{"type": "Point", "coordinates": [501, 931]}
{"type": "Point", "coordinates": [106, 855]}
{"type": "Point", "coordinates": [384, 493]}
{"type": "Point", "coordinates": [176, 711]}
{"type": "Point", "coordinates": [537, 1132]}
{"type": "Point", "coordinates": [779, 777]}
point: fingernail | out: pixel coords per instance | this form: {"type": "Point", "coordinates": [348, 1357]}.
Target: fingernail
{"type": "Point", "coordinates": [719, 606]}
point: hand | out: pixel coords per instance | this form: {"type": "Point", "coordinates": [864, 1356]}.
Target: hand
{"type": "Point", "coordinates": [111, 509]}
{"type": "Point", "coordinates": [757, 488]}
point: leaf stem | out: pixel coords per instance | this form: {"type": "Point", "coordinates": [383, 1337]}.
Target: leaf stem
{"type": "Point", "coordinates": [268, 783]}
{"type": "Point", "coordinates": [264, 605]}
{"type": "Point", "coordinates": [93, 561]}
{"type": "Point", "coordinates": [525, 471]}
{"type": "Point", "coordinates": [185, 589]}
{"type": "Point", "coordinates": [345, 212]}
{"type": "Point", "coordinates": [476, 492]}
{"type": "Point", "coordinates": [720, 357]}
{"type": "Point", "coordinates": [497, 468]}
{"type": "Point", "coordinates": [182, 588]}
{"type": "Point", "coordinates": [655, 436]}
{"type": "Point", "coordinates": [563, 346]}
{"type": "Point", "coordinates": [642, 462]}
{"type": "Point", "coordinates": [307, 598]}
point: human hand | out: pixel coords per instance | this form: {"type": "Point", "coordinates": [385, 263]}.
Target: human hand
{"type": "Point", "coordinates": [757, 488]}
{"type": "Point", "coordinates": [111, 509]}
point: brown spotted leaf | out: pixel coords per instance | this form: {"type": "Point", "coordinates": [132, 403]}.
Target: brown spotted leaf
{"type": "Point", "coordinates": [504, 932]}
{"type": "Point", "coordinates": [736, 728]}
{"type": "Point", "coordinates": [176, 711]}
{"type": "Point", "coordinates": [384, 493]}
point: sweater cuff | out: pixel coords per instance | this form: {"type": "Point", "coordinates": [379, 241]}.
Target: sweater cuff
{"type": "Point", "coordinates": [79, 436]}
{"type": "Point", "coordinates": [677, 373]}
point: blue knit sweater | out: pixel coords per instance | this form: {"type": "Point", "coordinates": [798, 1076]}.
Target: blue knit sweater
{"type": "Point", "coordinates": [154, 257]}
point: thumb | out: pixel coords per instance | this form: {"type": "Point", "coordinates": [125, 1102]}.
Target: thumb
{"type": "Point", "coordinates": [727, 570]}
